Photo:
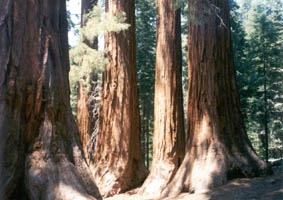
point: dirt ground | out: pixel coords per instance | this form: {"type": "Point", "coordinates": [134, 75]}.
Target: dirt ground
{"type": "Point", "coordinates": [262, 188]}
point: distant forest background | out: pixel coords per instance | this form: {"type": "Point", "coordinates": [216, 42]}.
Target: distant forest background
{"type": "Point", "coordinates": [257, 44]}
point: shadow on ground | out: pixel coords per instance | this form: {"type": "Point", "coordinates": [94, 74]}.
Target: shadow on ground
{"type": "Point", "coordinates": [262, 188]}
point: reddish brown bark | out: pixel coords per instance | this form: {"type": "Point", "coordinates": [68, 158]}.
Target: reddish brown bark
{"type": "Point", "coordinates": [118, 162]}
{"type": "Point", "coordinates": [218, 148]}
{"type": "Point", "coordinates": [87, 103]}
{"type": "Point", "coordinates": [169, 134]}
{"type": "Point", "coordinates": [40, 153]}
{"type": "Point", "coordinates": [87, 115]}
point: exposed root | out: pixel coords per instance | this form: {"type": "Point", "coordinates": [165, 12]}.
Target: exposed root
{"type": "Point", "coordinates": [160, 176]}
{"type": "Point", "coordinates": [54, 172]}
{"type": "Point", "coordinates": [201, 173]}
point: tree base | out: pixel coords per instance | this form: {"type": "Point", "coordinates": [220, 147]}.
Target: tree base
{"type": "Point", "coordinates": [112, 179]}
{"type": "Point", "coordinates": [157, 181]}
{"type": "Point", "coordinates": [213, 168]}
{"type": "Point", "coordinates": [54, 172]}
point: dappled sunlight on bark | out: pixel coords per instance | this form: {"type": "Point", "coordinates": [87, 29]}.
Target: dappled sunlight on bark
{"type": "Point", "coordinates": [169, 133]}
{"type": "Point", "coordinates": [43, 155]}
{"type": "Point", "coordinates": [218, 148]}
{"type": "Point", "coordinates": [118, 165]}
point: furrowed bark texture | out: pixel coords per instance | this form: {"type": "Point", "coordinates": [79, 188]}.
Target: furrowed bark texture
{"type": "Point", "coordinates": [169, 134]}
{"type": "Point", "coordinates": [118, 161]}
{"type": "Point", "coordinates": [40, 153]}
{"type": "Point", "coordinates": [218, 148]}
{"type": "Point", "coordinates": [87, 115]}
{"type": "Point", "coordinates": [87, 103]}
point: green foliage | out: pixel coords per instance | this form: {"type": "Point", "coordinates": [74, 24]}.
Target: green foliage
{"type": "Point", "coordinates": [99, 23]}
{"type": "Point", "coordinates": [240, 51]}
{"type": "Point", "coordinates": [85, 60]}
{"type": "Point", "coordinates": [71, 24]}
{"type": "Point", "coordinates": [258, 60]}
{"type": "Point", "coordinates": [265, 54]}
{"type": "Point", "coordinates": [146, 41]}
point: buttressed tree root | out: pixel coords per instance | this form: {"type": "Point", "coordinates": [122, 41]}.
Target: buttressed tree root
{"type": "Point", "coordinates": [218, 148]}
{"type": "Point", "coordinates": [38, 136]}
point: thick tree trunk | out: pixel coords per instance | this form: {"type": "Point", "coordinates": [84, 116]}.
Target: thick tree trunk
{"type": "Point", "coordinates": [218, 148]}
{"type": "Point", "coordinates": [169, 134]}
{"type": "Point", "coordinates": [118, 161]}
{"type": "Point", "coordinates": [88, 105]}
{"type": "Point", "coordinates": [39, 145]}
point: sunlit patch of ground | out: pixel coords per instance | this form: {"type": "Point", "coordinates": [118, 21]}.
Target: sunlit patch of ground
{"type": "Point", "coordinates": [262, 188]}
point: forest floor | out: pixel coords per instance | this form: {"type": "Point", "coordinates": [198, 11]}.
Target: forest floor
{"type": "Point", "coordinates": [261, 188]}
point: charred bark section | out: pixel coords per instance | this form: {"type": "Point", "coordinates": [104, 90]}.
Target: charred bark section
{"type": "Point", "coordinates": [217, 146]}
{"type": "Point", "coordinates": [169, 134]}
{"type": "Point", "coordinates": [39, 142]}
{"type": "Point", "coordinates": [118, 161]}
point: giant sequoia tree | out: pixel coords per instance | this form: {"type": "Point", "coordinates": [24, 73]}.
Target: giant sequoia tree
{"type": "Point", "coordinates": [169, 136]}
{"type": "Point", "coordinates": [218, 148]}
{"type": "Point", "coordinates": [118, 161]}
{"type": "Point", "coordinates": [40, 156]}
